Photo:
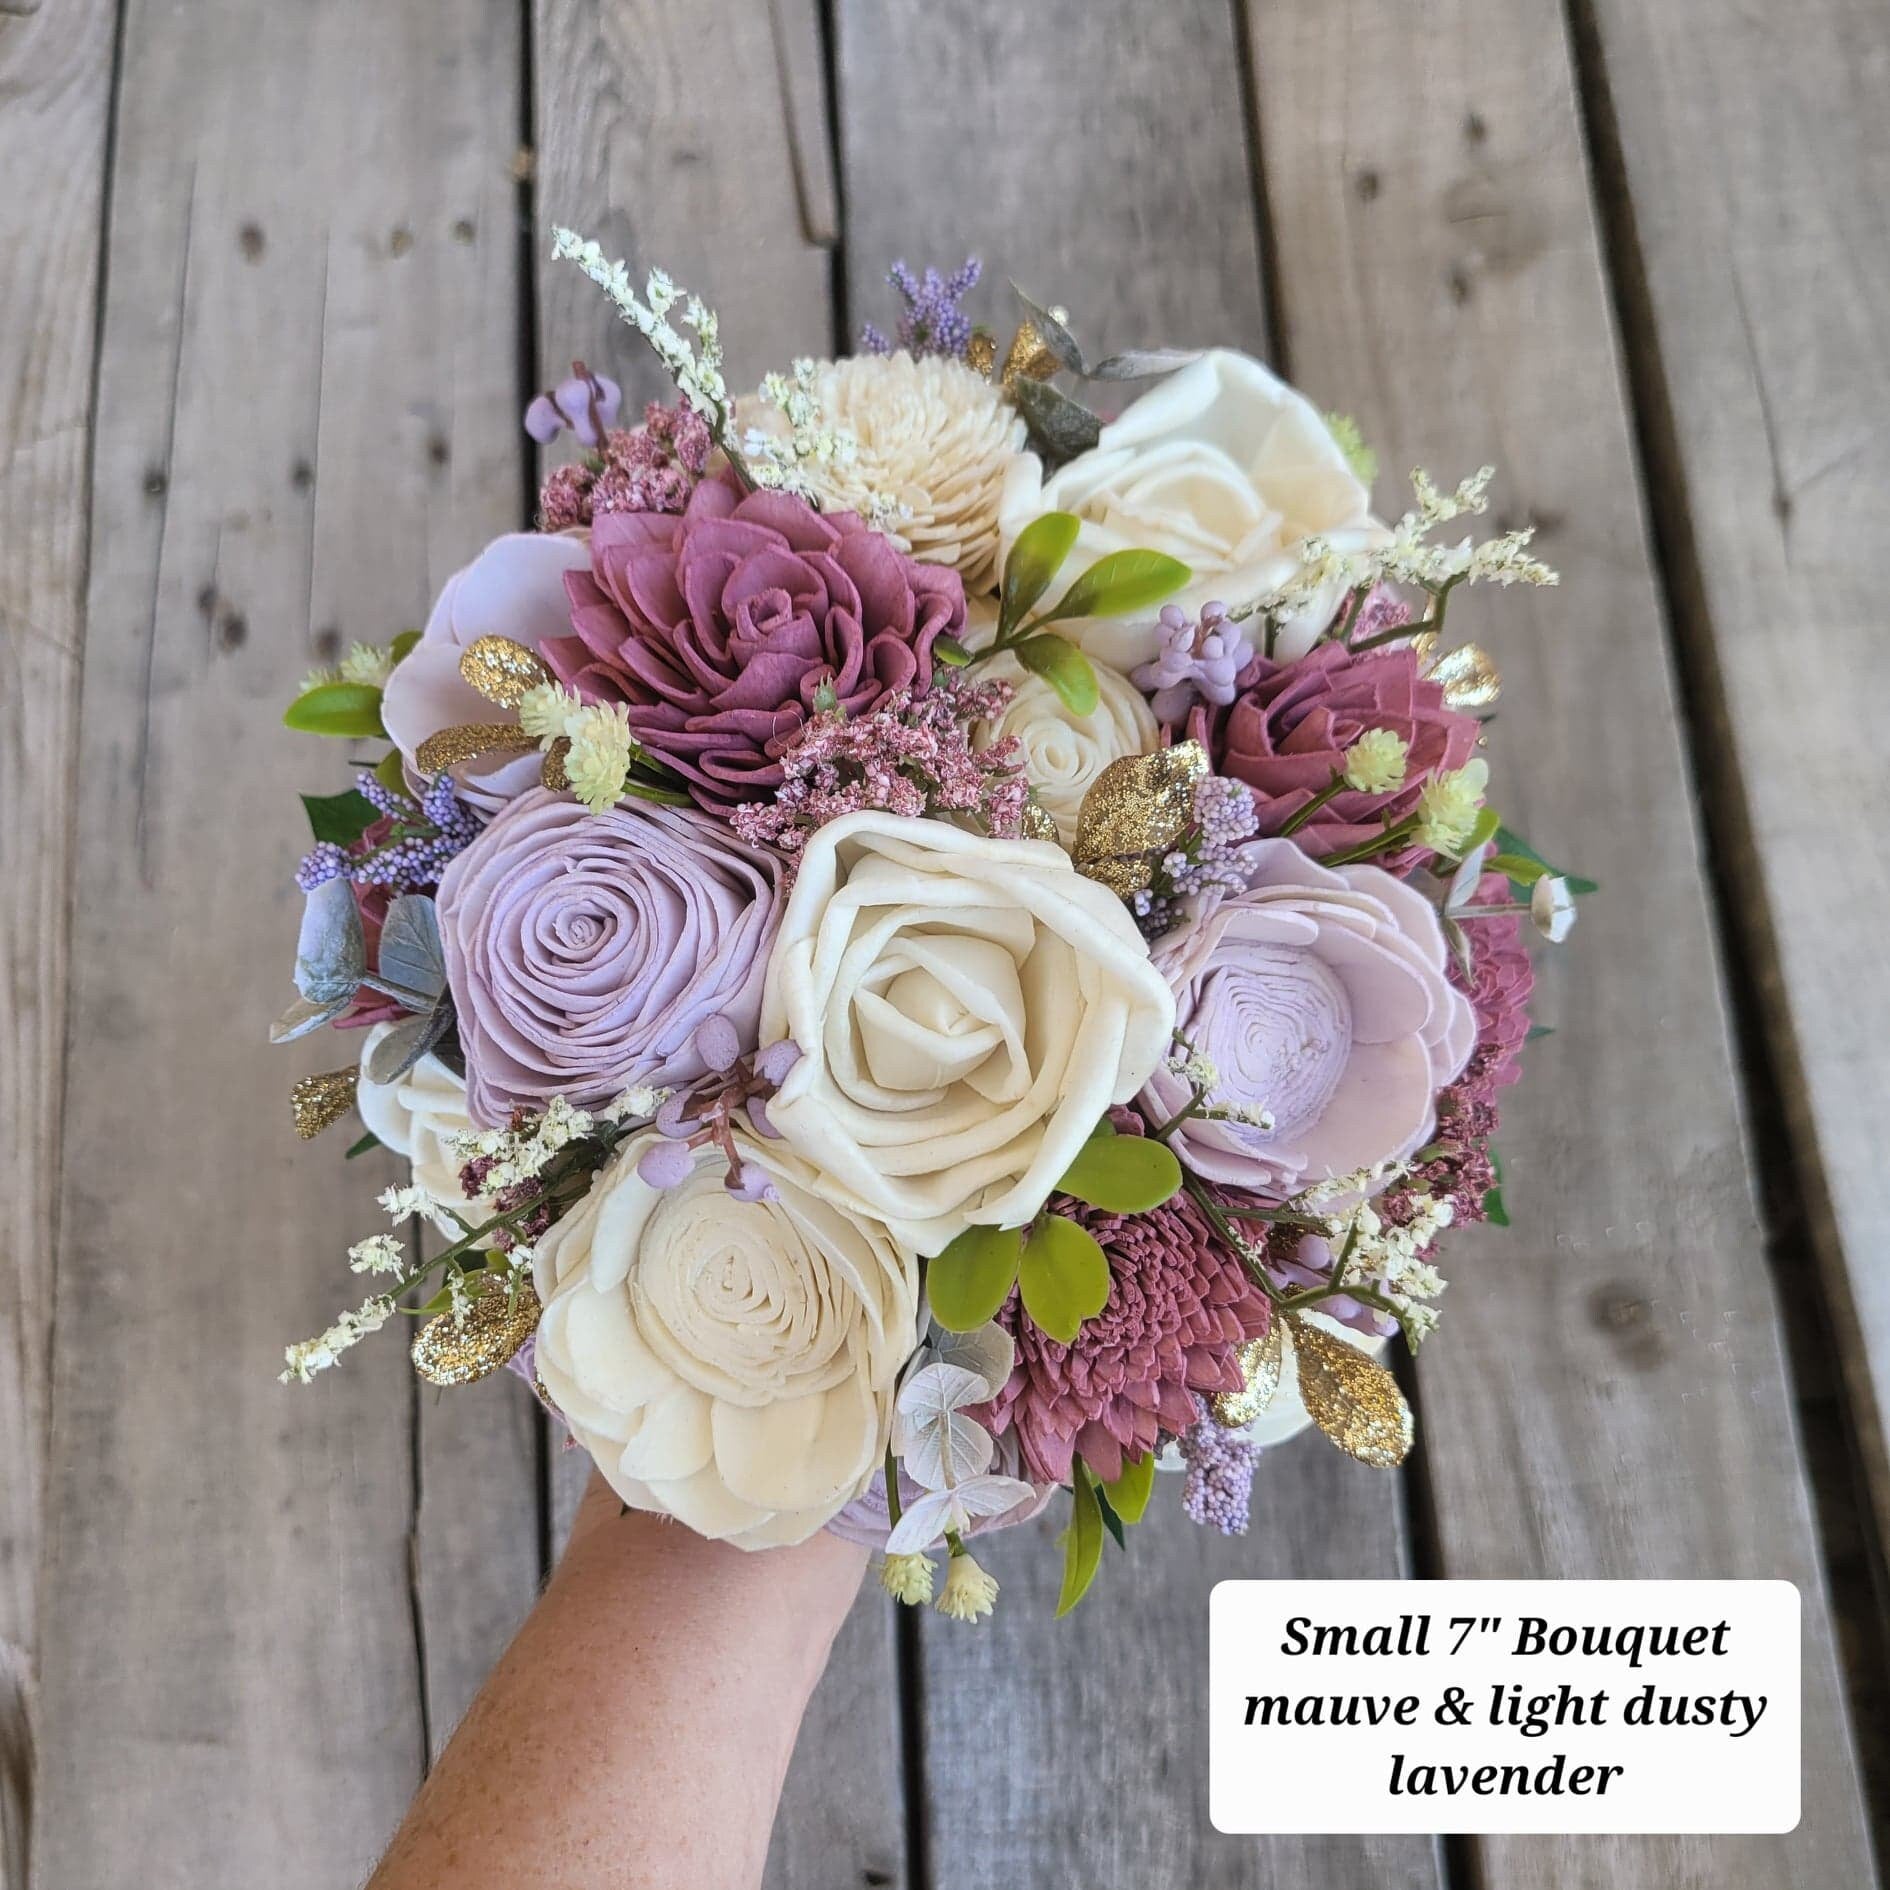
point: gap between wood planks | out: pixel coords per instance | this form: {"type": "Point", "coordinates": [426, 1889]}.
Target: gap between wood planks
{"type": "Point", "coordinates": [1795, 1214]}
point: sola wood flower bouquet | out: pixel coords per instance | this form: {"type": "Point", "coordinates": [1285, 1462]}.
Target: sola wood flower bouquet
{"type": "Point", "coordinates": [927, 951]}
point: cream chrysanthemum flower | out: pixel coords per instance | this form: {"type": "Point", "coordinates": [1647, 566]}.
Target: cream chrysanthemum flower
{"type": "Point", "coordinates": [933, 438]}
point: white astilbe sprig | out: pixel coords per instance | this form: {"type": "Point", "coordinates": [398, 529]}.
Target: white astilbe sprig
{"type": "Point", "coordinates": [1407, 556]}
{"type": "Point", "coordinates": [802, 460]}
{"type": "Point", "coordinates": [695, 367]}
{"type": "Point", "coordinates": [314, 1355]}
{"type": "Point", "coordinates": [402, 1204]}
{"type": "Point", "coordinates": [1385, 1256]}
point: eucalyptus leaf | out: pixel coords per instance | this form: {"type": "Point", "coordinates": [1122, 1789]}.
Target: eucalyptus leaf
{"type": "Point", "coordinates": [339, 818]}
{"type": "Point", "coordinates": [1122, 584]}
{"type": "Point", "coordinates": [1130, 1492]}
{"type": "Point", "coordinates": [367, 1142]}
{"type": "Point", "coordinates": [345, 709]}
{"type": "Point", "coordinates": [950, 652]}
{"type": "Point", "coordinates": [330, 951]}
{"type": "Point", "coordinates": [937, 1444]}
{"type": "Point", "coordinates": [1111, 1521]}
{"type": "Point", "coordinates": [973, 1277]}
{"type": "Point", "coordinates": [1493, 1209]}
{"type": "Point", "coordinates": [1122, 1174]}
{"type": "Point", "coordinates": [304, 1015]}
{"type": "Point", "coordinates": [1060, 428]}
{"type": "Point", "coordinates": [1063, 1276]}
{"type": "Point", "coordinates": [405, 1044]}
{"type": "Point", "coordinates": [402, 644]}
{"type": "Point", "coordinates": [412, 965]}
{"type": "Point", "coordinates": [1036, 557]}
{"type": "Point", "coordinates": [1141, 364]}
{"type": "Point", "coordinates": [391, 772]}
{"type": "Point", "coordinates": [1082, 1540]}
{"type": "Point", "coordinates": [1064, 667]}
{"type": "Point", "coordinates": [1056, 337]}
{"type": "Point", "coordinates": [987, 1350]}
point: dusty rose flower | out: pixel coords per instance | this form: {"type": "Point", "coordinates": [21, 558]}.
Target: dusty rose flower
{"type": "Point", "coordinates": [1321, 996]}
{"type": "Point", "coordinates": [584, 950]}
{"type": "Point", "coordinates": [1179, 1309]}
{"type": "Point", "coordinates": [1287, 731]}
{"type": "Point", "coordinates": [723, 630]}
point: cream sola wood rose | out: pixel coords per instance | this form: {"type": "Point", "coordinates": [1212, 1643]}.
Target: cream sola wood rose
{"type": "Point", "coordinates": [729, 1362]}
{"type": "Point", "coordinates": [1063, 750]}
{"type": "Point", "coordinates": [1223, 466]}
{"type": "Point", "coordinates": [966, 1010]}
{"type": "Point", "coordinates": [417, 1115]}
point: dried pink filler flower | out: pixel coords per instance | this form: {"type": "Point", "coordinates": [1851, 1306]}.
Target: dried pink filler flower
{"type": "Point", "coordinates": [906, 757]}
{"type": "Point", "coordinates": [651, 468]}
{"type": "Point", "coordinates": [1179, 1309]}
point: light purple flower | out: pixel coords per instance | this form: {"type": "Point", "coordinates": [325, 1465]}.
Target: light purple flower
{"type": "Point", "coordinates": [515, 589]}
{"type": "Point", "coordinates": [587, 403]}
{"type": "Point", "coordinates": [1196, 662]}
{"type": "Point", "coordinates": [585, 951]}
{"type": "Point", "coordinates": [1321, 995]}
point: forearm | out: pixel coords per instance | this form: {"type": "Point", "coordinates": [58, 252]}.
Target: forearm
{"type": "Point", "coordinates": [639, 1727]}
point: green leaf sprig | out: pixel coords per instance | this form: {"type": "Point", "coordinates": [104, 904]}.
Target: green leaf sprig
{"type": "Point", "coordinates": [1059, 1270]}
{"type": "Point", "coordinates": [1118, 585]}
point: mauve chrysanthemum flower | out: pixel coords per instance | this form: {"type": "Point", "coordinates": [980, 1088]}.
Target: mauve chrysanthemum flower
{"type": "Point", "coordinates": [584, 951]}
{"type": "Point", "coordinates": [1285, 734]}
{"type": "Point", "coordinates": [1499, 984]}
{"type": "Point", "coordinates": [724, 630]}
{"type": "Point", "coordinates": [1179, 1309]}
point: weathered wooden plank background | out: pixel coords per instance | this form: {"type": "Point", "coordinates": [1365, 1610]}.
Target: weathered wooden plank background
{"type": "Point", "coordinates": [273, 293]}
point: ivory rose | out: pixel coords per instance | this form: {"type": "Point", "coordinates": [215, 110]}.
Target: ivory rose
{"type": "Point", "coordinates": [1063, 751]}
{"type": "Point", "coordinates": [1321, 995]}
{"type": "Point", "coordinates": [515, 589]}
{"type": "Point", "coordinates": [727, 1362]}
{"type": "Point", "coordinates": [1223, 466]}
{"type": "Point", "coordinates": [414, 1115]}
{"type": "Point", "coordinates": [966, 1009]}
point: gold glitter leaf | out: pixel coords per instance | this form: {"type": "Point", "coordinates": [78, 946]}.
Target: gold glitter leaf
{"type": "Point", "coordinates": [981, 353]}
{"type": "Point", "coordinates": [1261, 1361]}
{"type": "Point", "coordinates": [552, 774]}
{"type": "Point", "coordinates": [316, 1101]}
{"type": "Point", "coordinates": [1466, 674]}
{"type": "Point", "coordinates": [445, 1353]}
{"type": "Point", "coordinates": [502, 670]}
{"type": "Point", "coordinates": [1029, 356]}
{"type": "Point", "coordinates": [1135, 810]}
{"type": "Point", "coordinates": [1351, 1397]}
{"type": "Point", "coordinates": [1037, 823]}
{"type": "Point", "coordinates": [467, 740]}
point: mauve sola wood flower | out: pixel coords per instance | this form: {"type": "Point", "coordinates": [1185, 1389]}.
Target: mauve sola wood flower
{"type": "Point", "coordinates": [1179, 1309]}
{"type": "Point", "coordinates": [1285, 734]}
{"type": "Point", "coordinates": [725, 630]}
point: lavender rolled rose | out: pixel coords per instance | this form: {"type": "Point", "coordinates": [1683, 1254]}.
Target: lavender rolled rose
{"type": "Point", "coordinates": [1320, 995]}
{"type": "Point", "coordinates": [584, 951]}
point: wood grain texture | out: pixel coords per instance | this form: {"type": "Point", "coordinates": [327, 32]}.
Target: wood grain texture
{"type": "Point", "coordinates": [1754, 149]}
{"type": "Point", "coordinates": [1076, 1751]}
{"type": "Point", "coordinates": [292, 401]}
{"type": "Point", "coordinates": [55, 81]}
{"type": "Point", "coordinates": [702, 164]}
{"type": "Point", "coordinates": [1607, 1396]}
